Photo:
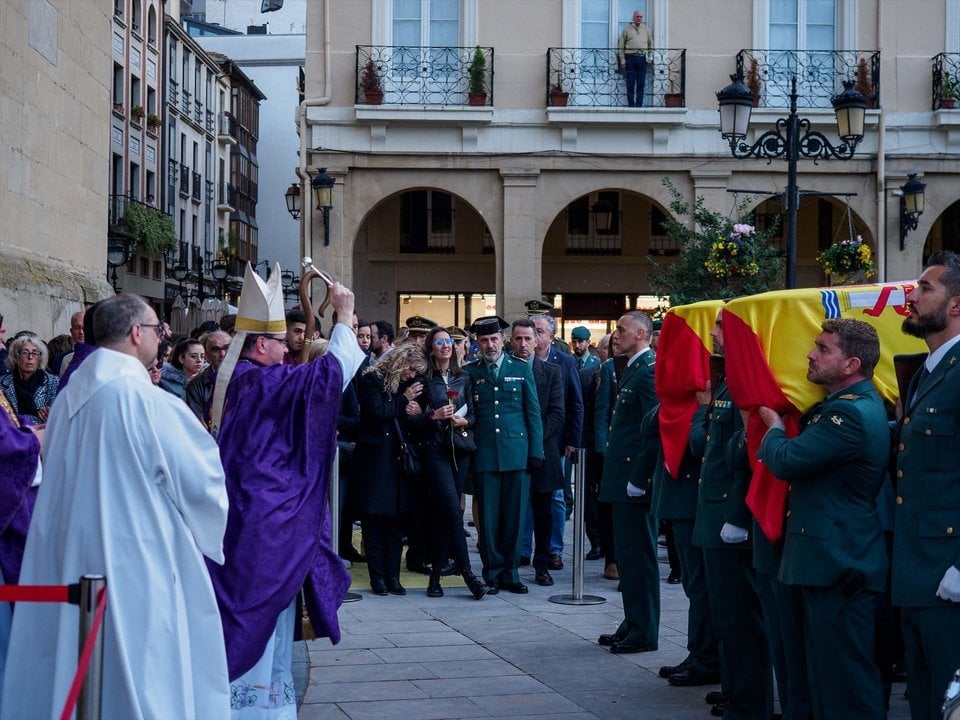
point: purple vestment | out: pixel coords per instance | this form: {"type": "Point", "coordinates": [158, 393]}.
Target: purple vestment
{"type": "Point", "coordinates": [81, 351]}
{"type": "Point", "coordinates": [19, 452]}
{"type": "Point", "coordinates": [277, 439]}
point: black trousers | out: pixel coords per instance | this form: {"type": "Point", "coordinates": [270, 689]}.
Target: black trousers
{"type": "Point", "coordinates": [593, 472]}
{"type": "Point", "coordinates": [541, 502]}
{"type": "Point", "coordinates": [444, 485]}
{"type": "Point", "coordinates": [383, 539]}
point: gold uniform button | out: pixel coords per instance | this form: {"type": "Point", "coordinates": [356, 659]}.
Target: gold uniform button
{"type": "Point", "coordinates": [702, 460]}
{"type": "Point", "coordinates": [608, 444]}
{"type": "Point", "coordinates": [899, 500]}
{"type": "Point", "coordinates": [928, 431]}
{"type": "Point", "coordinates": [495, 388]}
{"type": "Point", "coordinates": [628, 460]}
{"type": "Point", "coordinates": [949, 531]}
{"type": "Point", "coordinates": [899, 473]}
{"type": "Point", "coordinates": [687, 476]}
{"type": "Point", "coordinates": [614, 412]}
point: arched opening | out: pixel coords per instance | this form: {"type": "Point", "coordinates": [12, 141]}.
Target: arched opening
{"type": "Point", "coordinates": [152, 25]}
{"type": "Point", "coordinates": [424, 251]}
{"type": "Point", "coordinates": [596, 258]}
{"type": "Point", "coordinates": [136, 17]}
{"type": "Point", "coordinates": [945, 233]}
{"type": "Point", "coordinates": [821, 221]}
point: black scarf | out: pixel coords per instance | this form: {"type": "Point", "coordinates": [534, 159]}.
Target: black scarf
{"type": "Point", "coordinates": [26, 391]}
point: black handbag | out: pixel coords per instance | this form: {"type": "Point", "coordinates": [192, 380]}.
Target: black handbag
{"type": "Point", "coordinates": [409, 459]}
{"type": "Point", "coordinates": [463, 439]}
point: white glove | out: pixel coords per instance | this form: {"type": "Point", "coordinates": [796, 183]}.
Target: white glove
{"type": "Point", "coordinates": [731, 534]}
{"type": "Point", "coordinates": [634, 491]}
{"type": "Point", "coordinates": [950, 585]}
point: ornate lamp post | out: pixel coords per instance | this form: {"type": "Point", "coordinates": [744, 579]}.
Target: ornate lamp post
{"type": "Point", "coordinates": [292, 197]}
{"type": "Point", "coordinates": [118, 254]}
{"type": "Point", "coordinates": [322, 186]}
{"type": "Point", "coordinates": [911, 205]}
{"type": "Point", "coordinates": [790, 138]}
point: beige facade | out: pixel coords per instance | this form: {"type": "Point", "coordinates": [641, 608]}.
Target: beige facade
{"type": "Point", "coordinates": [54, 125]}
{"type": "Point", "coordinates": [526, 177]}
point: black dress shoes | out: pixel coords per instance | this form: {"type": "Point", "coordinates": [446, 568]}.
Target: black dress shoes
{"type": "Point", "coordinates": [493, 587]}
{"type": "Point", "coordinates": [517, 588]}
{"type": "Point", "coordinates": [609, 639]}
{"type": "Point", "coordinates": [524, 561]}
{"type": "Point", "coordinates": [595, 553]}
{"type": "Point", "coordinates": [544, 578]}
{"type": "Point", "coordinates": [395, 588]}
{"type": "Point", "coordinates": [378, 587]}
{"type": "Point", "coordinates": [555, 562]}
{"type": "Point", "coordinates": [668, 670]}
{"type": "Point", "coordinates": [674, 578]}
{"type": "Point", "coordinates": [715, 697]}
{"type": "Point", "coordinates": [628, 647]}
{"type": "Point", "coordinates": [692, 677]}
{"type": "Point", "coordinates": [718, 710]}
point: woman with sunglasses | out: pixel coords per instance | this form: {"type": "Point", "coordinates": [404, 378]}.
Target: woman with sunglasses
{"type": "Point", "coordinates": [28, 387]}
{"type": "Point", "coordinates": [444, 442]}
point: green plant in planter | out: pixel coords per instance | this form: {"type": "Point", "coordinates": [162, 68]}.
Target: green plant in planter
{"type": "Point", "coordinates": [478, 72]}
{"type": "Point", "coordinates": [138, 112]}
{"type": "Point", "coordinates": [153, 120]}
{"type": "Point", "coordinates": [950, 87]}
{"type": "Point", "coordinates": [152, 230]}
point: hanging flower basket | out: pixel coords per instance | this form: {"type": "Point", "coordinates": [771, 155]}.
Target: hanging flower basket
{"type": "Point", "coordinates": [735, 254]}
{"type": "Point", "coordinates": [844, 259]}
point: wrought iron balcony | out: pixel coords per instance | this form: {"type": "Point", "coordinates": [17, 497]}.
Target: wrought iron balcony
{"type": "Point", "coordinates": [946, 81]}
{"type": "Point", "coordinates": [210, 124]}
{"type": "Point", "coordinates": [210, 190]}
{"type": "Point", "coordinates": [227, 131]}
{"type": "Point", "coordinates": [117, 212]}
{"type": "Point", "coordinates": [820, 75]}
{"type": "Point", "coordinates": [184, 180]}
{"type": "Point", "coordinates": [185, 103]}
{"type": "Point", "coordinates": [195, 189]}
{"type": "Point", "coordinates": [421, 75]}
{"type": "Point", "coordinates": [589, 77]}
{"type": "Point", "coordinates": [198, 112]}
{"type": "Point", "coordinates": [174, 93]}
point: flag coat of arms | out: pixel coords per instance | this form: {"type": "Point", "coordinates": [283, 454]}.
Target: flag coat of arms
{"type": "Point", "coordinates": [683, 368]}
{"type": "Point", "coordinates": [766, 339]}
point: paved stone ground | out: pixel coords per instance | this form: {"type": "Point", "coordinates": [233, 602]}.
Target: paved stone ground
{"type": "Point", "coordinates": [508, 656]}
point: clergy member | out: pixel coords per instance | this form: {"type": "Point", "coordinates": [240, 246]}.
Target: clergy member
{"type": "Point", "coordinates": [132, 489]}
{"type": "Point", "coordinates": [276, 425]}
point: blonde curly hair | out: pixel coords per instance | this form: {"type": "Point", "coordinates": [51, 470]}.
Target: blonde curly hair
{"type": "Point", "coordinates": [392, 365]}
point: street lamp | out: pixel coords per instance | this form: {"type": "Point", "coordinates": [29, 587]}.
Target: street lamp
{"type": "Point", "coordinates": [791, 138]}
{"type": "Point", "coordinates": [219, 271]}
{"type": "Point", "coordinates": [292, 196]}
{"type": "Point", "coordinates": [911, 205]}
{"type": "Point", "coordinates": [118, 253]}
{"type": "Point", "coordinates": [322, 186]}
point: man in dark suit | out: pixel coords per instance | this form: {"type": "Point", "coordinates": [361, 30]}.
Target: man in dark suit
{"type": "Point", "coordinates": [548, 478]}
{"type": "Point", "coordinates": [834, 548]}
{"type": "Point", "coordinates": [606, 396]}
{"type": "Point", "coordinates": [627, 468]}
{"type": "Point", "coordinates": [926, 554]}
{"type": "Point", "coordinates": [509, 437]}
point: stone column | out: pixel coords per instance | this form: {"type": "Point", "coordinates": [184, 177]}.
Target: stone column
{"type": "Point", "coordinates": [711, 184]}
{"type": "Point", "coordinates": [519, 274]}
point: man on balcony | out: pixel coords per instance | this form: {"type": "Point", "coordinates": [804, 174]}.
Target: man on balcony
{"type": "Point", "coordinates": [635, 43]}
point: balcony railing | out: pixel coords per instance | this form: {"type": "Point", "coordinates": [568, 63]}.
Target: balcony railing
{"type": "Point", "coordinates": [414, 75]}
{"type": "Point", "coordinates": [227, 131]}
{"type": "Point", "coordinates": [210, 191]}
{"type": "Point", "coordinates": [174, 93]}
{"type": "Point", "coordinates": [226, 197]}
{"type": "Point", "coordinates": [198, 112]}
{"type": "Point", "coordinates": [820, 75]}
{"type": "Point", "coordinates": [117, 212]}
{"type": "Point", "coordinates": [197, 184]}
{"type": "Point", "coordinates": [210, 124]}
{"type": "Point", "coordinates": [185, 103]}
{"type": "Point", "coordinates": [590, 77]}
{"type": "Point", "coordinates": [946, 80]}
{"type": "Point", "coordinates": [184, 180]}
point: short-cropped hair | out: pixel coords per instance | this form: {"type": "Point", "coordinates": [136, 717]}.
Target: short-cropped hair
{"type": "Point", "coordinates": [856, 339]}
{"type": "Point", "coordinates": [116, 316]}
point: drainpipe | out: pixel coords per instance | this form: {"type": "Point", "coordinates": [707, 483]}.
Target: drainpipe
{"type": "Point", "coordinates": [881, 173]}
{"type": "Point", "coordinates": [306, 244]}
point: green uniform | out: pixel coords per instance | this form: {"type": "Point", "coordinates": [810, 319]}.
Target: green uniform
{"type": "Point", "coordinates": [628, 458]}
{"type": "Point", "coordinates": [926, 534]}
{"type": "Point", "coordinates": [745, 668]}
{"type": "Point", "coordinates": [834, 548]}
{"type": "Point", "coordinates": [508, 432]}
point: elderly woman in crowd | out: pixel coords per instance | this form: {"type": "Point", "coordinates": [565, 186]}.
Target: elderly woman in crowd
{"type": "Point", "coordinates": [187, 362]}
{"type": "Point", "coordinates": [28, 387]}
{"type": "Point", "coordinates": [445, 442]}
{"type": "Point", "coordinates": [387, 396]}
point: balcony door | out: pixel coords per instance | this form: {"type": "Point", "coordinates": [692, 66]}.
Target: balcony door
{"type": "Point", "coordinates": [426, 65]}
{"type": "Point", "coordinates": [803, 36]}
{"type": "Point", "coordinates": [601, 22]}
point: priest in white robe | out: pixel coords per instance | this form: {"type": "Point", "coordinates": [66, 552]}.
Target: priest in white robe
{"type": "Point", "coordinates": [133, 489]}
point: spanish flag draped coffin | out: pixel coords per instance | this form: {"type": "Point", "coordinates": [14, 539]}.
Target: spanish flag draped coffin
{"type": "Point", "coordinates": [766, 340]}
{"type": "Point", "coordinates": [684, 368]}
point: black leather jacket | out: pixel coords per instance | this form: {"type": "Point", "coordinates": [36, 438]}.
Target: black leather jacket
{"type": "Point", "coordinates": [436, 393]}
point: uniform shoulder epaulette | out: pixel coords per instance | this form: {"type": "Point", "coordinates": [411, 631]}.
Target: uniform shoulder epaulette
{"type": "Point", "coordinates": [848, 396]}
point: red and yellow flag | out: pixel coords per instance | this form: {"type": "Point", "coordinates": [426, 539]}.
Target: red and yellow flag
{"type": "Point", "coordinates": [683, 368]}
{"type": "Point", "coordinates": [766, 339]}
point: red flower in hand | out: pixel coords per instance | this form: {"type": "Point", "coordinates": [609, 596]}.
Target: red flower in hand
{"type": "Point", "coordinates": [452, 394]}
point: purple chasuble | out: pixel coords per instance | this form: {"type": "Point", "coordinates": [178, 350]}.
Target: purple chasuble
{"type": "Point", "coordinates": [277, 440]}
{"type": "Point", "coordinates": [81, 351]}
{"type": "Point", "coordinates": [19, 452]}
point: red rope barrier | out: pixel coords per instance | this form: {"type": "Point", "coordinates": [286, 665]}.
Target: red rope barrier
{"type": "Point", "coordinates": [85, 656]}
{"type": "Point", "coordinates": [35, 593]}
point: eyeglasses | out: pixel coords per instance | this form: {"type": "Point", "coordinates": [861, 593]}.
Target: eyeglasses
{"type": "Point", "coordinates": [217, 349]}
{"type": "Point", "coordinates": [440, 342]}
{"type": "Point", "coordinates": [29, 353]}
{"type": "Point", "coordinates": [282, 341]}
{"type": "Point", "coordinates": [157, 328]}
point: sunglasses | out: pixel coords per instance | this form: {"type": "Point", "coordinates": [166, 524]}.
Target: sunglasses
{"type": "Point", "coordinates": [440, 342]}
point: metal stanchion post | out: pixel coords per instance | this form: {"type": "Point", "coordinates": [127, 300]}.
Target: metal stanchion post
{"type": "Point", "coordinates": [335, 515]}
{"type": "Point", "coordinates": [88, 704]}
{"type": "Point", "coordinates": [577, 597]}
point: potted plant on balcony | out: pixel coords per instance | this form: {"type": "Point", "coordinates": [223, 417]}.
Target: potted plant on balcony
{"type": "Point", "coordinates": [864, 83]}
{"type": "Point", "coordinates": [558, 97]}
{"type": "Point", "coordinates": [477, 71]}
{"type": "Point", "coordinates": [752, 81]}
{"type": "Point", "coordinates": [152, 229]}
{"type": "Point", "coordinates": [118, 108]}
{"type": "Point", "coordinates": [371, 85]}
{"type": "Point", "coordinates": [674, 98]}
{"type": "Point", "coordinates": [949, 91]}
{"type": "Point", "coordinates": [137, 112]}
{"type": "Point", "coordinates": [153, 122]}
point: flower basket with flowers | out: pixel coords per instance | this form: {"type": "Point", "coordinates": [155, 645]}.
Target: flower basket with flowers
{"type": "Point", "coordinates": [734, 255]}
{"type": "Point", "coordinates": [844, 259]}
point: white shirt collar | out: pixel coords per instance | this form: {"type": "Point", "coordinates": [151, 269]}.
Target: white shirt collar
{"type": "Point", "coordinates": [934, 358]}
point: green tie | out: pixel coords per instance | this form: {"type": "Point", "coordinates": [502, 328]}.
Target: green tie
{"type": "Point", "coordinates": [493, 371]}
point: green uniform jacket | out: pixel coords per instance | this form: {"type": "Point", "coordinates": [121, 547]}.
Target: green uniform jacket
{"type": "Point", "coordinates": [723, 494]}
{"type": "Point", "coordinates": [508, 430]}
{"type": "Point", "coordinates": [603, 407]}
{"type": "Point", "coordinates": [926, 532]}
{"type": "Point", "coordinates": [628, 457]}
{"type": "Point", "coordinates": [835, 467]}
{"type": "Point", "coordinates": [674, 498]}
